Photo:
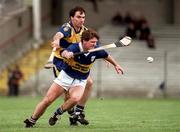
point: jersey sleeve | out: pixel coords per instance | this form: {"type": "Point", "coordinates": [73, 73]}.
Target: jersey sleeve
{"type": "Point", "coordinates": [101, 54]}
{"type": "Point", "coordinates": [73, 48]}
{"type": "Point", "coordinates": [65, 29]}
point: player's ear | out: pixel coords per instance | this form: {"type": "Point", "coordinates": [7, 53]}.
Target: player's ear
{"type": "Point", "coordinates": [71, 18]}
{"type": "Point", "coordinates": [82, 41]}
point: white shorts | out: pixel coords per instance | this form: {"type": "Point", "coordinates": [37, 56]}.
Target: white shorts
{"type": "Point", "coordinates": [67, 82]}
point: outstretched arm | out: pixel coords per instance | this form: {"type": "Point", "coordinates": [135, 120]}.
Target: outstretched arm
{"type": "Point", "coordinates": [117, 67]}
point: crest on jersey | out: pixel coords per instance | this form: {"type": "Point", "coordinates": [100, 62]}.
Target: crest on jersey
{"type": "Point", "coordinates": [92, 58]}
{"type": "Point", "coordinates": [66, 29]}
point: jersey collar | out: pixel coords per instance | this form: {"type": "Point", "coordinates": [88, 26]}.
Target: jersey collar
{"type": "Point", "coordinates": [81, 47]}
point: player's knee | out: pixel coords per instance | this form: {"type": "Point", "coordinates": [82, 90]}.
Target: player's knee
{"type": "Point", "coordinates": [75, 99]}
{"type": "Point", "coordinates": [89, 83]}
{"type": "Point", "coordinates": [47, 101]}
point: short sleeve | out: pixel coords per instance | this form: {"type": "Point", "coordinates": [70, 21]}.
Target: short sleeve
{"type": "Point", "coordinates": [101, 54]}
{"type": "Point", "coordinates": [65, 29]}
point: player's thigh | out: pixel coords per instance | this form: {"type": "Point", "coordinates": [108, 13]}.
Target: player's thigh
{"type": "Point", "coordinates": [76, 92]}
{"type": "Point", "coordinates": [54, 92]}
{"type": "Point", "coordinates": [89, 81]}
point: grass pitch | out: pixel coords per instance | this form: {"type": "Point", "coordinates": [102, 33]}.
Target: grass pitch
{"type": "Point", "coordinates": [124, 115]}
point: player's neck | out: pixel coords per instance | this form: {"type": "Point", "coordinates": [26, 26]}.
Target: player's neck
{"type": "Point", "coordinates": [84, 47]}
{"type": "Point", "coordinates": [77, 29]}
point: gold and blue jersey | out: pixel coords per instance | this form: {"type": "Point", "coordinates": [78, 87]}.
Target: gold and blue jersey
{"type": "Point", "coordinates": [70, 37]}
{"type": "Point", "coordinates": [79, 66]}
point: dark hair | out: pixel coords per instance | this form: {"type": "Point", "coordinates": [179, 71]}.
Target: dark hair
{"type": "Point", "coordinates": [89, 34]}
{"type": "Point", "coordinates": [75, 9]}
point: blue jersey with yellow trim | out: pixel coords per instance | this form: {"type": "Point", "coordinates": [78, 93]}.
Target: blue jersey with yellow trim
{"type": "Point", "coordinates": [79, 66]}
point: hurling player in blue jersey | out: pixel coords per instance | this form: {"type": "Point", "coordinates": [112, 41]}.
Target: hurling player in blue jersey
{"type": "Point", "coordinates": [68, 34]}
{"type": "Point", "coordinates": [72, 78]}
{"type": "Point", "coordinates": [76, 70]}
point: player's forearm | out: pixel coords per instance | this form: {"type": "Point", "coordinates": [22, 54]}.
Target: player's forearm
{"type": "Point", "coordinates": [117, 67]}
{"type": "Point", "coordinates": [58, 36]}
{"type": "Point", "coordinates": [67, 54]}
{"type": "Point", "coordinates": [111, 60]}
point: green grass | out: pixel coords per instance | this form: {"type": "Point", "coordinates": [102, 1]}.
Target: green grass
{"type": "Point", "coordinates": [124, 115]}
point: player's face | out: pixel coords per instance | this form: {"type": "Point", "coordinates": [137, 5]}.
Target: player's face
{"type": "Point", "coordinates": [78, 19]}
{"type": "Point", "coordinates": [87, 45]}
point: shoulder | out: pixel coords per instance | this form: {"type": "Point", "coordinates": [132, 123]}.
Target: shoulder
{"type": "Point", "coordinates": [101, 54]}
{"type": "Point", "coordinates": [66, 27]}
{"type": "Point", "coordinates": [85, 28]}
{"type": "Point", "coordinates": [73, 47]}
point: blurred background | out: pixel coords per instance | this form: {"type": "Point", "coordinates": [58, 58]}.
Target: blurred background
{"type": "Point", "coordinates": [27, 27]}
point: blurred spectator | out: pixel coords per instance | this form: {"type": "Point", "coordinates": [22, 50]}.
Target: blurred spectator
{"type": "Point", "coordinates": [145, 34]}
{"type": "Point", "coordinates": [131, 30]}
{"type": "Point", "coordinates": [140, 21]}
{"type": "Point", "coordinates": [9, 83]}
{"type": "Point", "coordinates": [151, 42]}
{"type": "Point", "coordinates": [162, 87]}
{"type": "Point", "coordinates": [117, 19]}
{"type": "Point", "coordinates": [144, 31]}
{"type": "Point", "coordinates": [128, 18]}
{"type": "Point", "coordinates": [139, 29]}
{"type": "Point", "coordinates": [14, 78]}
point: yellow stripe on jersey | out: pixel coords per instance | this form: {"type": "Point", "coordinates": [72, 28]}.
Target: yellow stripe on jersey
{"type": "Point", "coordinates": [77, 66]}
